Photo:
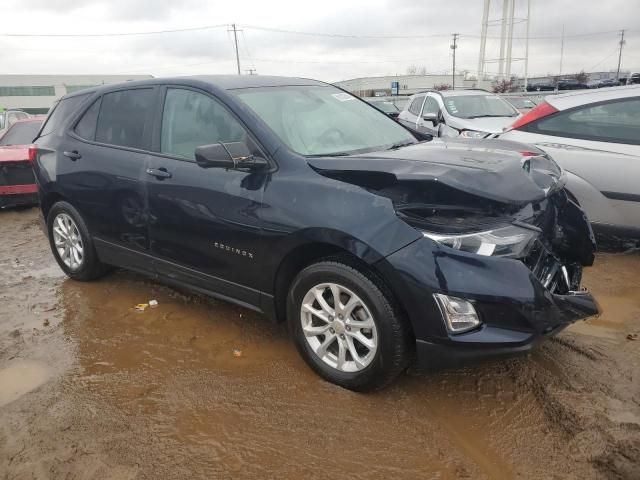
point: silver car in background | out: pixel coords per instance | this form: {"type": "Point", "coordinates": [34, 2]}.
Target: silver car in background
{"type": "Point", "coordinates": [453, 113]}
{"type": "Point", "coordinates": [595, 137]}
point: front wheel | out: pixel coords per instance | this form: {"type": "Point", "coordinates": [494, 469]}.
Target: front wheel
{"type": "Point", "coordinates": [346, 326]}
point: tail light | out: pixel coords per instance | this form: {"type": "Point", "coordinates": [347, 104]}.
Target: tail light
{"type": "Point", "coordinates": [33, 154]}
{"type": "Point", "coordinates": [540, 111]}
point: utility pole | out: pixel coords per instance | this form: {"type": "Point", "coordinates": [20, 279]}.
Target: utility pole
{"type": "Point", "coordinates": [561, 51]}
{"type": "Point", "coordinates": [251, 71]}
{"type": "Point", "coordinates": [235, 38]}
{"type": "Point", "coordinates": [622, 42]}
{"type": "Point", "coordinates": [454, 46]}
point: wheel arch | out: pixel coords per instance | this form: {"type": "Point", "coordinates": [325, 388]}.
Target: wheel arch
{"type": "Point", "coordinates": [312, 252]}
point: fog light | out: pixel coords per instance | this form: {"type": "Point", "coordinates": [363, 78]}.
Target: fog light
{"type": "Point", "coordinates": [459, 315]}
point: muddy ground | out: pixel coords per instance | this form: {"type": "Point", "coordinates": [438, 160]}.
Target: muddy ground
{"type": "Point", "coordinates": [91, 389]}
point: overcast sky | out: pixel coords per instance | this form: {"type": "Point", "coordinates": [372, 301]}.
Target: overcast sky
{"type": "Point", "coordinates": [325, 57]}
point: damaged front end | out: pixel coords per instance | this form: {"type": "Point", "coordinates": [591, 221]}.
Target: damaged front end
{"type": "Point", "coordinates": [505, 263]}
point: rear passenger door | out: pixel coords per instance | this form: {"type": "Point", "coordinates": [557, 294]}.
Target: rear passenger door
{"type": "Point", "coordinates": [105, 157]}
{"type": "Point", "coordinates": [204, 222]}
{"type": "Point", "coordinates": [409, 118]}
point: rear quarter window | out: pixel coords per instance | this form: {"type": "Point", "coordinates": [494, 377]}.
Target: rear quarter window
{"type": "Point", "coordinates": [60, 112]}
{"type": "Point", "coordinates": [615, 121]}
{"type": "Point", "coordinates": [86, 127]}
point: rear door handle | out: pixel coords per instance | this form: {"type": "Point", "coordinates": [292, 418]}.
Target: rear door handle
{"type": "Point", "coordinates": [74, 155]}
{"type": "Point", "coordinates": [158, 172]}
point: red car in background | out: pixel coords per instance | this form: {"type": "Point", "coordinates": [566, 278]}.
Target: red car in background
{"type": "Point", "coordinates": [17, 183]}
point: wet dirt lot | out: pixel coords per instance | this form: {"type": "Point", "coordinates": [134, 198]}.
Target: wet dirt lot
{"type": "Point", "coordinates": [90, 388]}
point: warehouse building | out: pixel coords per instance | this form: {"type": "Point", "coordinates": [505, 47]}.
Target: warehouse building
{"type": "Point", "coordinates": [36, 93]}
{"type": "Point", "coordinates": [407, 84]}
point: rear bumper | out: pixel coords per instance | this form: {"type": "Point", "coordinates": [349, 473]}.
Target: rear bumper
{"type": "Point", "coordinates": [18, 189]}
{"type": "Point", "coordinates": [18, 196]}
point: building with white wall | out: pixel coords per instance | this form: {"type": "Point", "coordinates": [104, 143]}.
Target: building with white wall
{"type": "Point", "coordinates": [407, 84]}
{"type": "Point", "coordinates": [36, 93]}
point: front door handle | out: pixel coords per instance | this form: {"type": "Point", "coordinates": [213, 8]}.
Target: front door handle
{"type": "Point", "coordinates": [158, 172]}
{"type": "Point", "coordinates": [74, 155]}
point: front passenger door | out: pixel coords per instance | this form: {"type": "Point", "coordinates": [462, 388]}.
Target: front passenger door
{"type": "Point", "coordinates": [203, 222]}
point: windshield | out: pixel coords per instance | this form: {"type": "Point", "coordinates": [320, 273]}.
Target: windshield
{"type": "Point", "coordinates": [318, 120]}
{"type": "Point", "coordinates": [475, 106]}
{"type": "Point", "coordinates": [21, 133]}
{"type": "Point", "coordinates": [386, 107]}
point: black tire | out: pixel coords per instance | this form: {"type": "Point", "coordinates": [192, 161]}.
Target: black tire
{"type": "Point", "coordinates": [91, 267]}
{"type": "Point", "coordinates": [395, 343]}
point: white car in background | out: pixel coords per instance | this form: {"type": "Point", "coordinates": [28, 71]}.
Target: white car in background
{"type": "Point", "coordinates": [595, 137]}
{"type": "Point", "coordinates": [457, 113]}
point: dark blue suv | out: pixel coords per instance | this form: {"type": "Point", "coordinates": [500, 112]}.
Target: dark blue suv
{"type": "Point", "coordinates": [296, 199]}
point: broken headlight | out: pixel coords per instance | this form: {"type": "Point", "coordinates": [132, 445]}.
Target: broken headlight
{"type": "Point", "coordinates": [509, 241]}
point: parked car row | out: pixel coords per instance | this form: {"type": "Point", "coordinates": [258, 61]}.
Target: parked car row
{"type": "Point", "coordinates": [299, 200]}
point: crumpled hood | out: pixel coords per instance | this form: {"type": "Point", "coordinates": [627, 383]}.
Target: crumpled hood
{"type": "Point", "coordinates": [14, 153]}
{"type": "Point", "coordinates": [504, 171]}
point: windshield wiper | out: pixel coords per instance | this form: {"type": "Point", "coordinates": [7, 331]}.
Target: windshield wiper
{"type": "Point", "coordinates": [336, 154]}
{"type": "Point", "coordinates": [400, 145]}
{"type": "Point", "coordinates": [485, 116]}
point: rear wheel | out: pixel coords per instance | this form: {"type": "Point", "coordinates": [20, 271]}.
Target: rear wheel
{"type": "Point", "coordinates": [346, 327]}
{"type": "Point", "coordinates": [71, 243]}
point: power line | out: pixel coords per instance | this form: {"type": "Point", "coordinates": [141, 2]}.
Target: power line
{"type": "Point", "coordinates": [119, 34]}
{"type": "Point", "coordinates": [291, 32]}
{"type": "Point", "coordinates": [340, 35]}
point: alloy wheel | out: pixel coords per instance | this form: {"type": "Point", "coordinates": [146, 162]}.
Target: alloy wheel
{"type": "Point", "coordinates": [68, 241]}
{"type": "Point", "coordinates": [339, 327]}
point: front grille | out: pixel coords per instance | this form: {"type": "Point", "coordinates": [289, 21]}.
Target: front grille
{"type": "Point", "coordinates": [548, 269]}
{"type": "Point", "coordinates": [16, 174]}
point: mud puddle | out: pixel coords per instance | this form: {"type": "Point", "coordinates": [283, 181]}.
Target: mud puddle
{"type": "Point", "coordinates": [197, 388]}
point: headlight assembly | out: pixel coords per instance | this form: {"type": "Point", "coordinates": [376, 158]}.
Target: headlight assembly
{"type": "Point", "coordinates": [472, 134]}
{"type": "Point", "coordinates": [509, 241]}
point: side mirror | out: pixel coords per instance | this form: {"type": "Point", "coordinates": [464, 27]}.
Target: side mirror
{"type": "Point", "coordinates": [430, 117]}
{"type": "Point", "coordinates": [234, 155]}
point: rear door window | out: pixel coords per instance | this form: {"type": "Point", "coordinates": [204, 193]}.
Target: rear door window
{"type": "Point", "coordinates": [86, 127]}
{"type": "Point", "coordinates": [123, 117]}
{"type": "Point", "coordinates": [617, 122]}
{"type": "Point", "coordinates": [191, 119]}
{"type": "Point", "coordinates": [60, 112]}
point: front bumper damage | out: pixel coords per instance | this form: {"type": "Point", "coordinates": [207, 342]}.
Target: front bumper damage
{"type": "Point", "coordinates": [516, 309]}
